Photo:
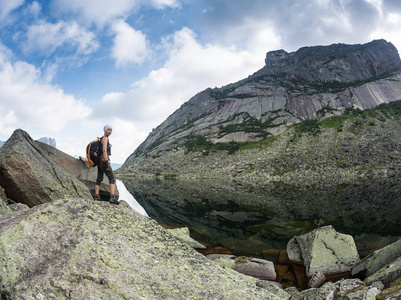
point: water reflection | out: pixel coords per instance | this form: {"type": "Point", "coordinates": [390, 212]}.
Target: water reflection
{"type": "Point", "coordinates": [247, 220]}
{"type": "Point", "coordinates": [125, 195]}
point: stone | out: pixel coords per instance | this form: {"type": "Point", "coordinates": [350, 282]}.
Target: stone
{"type": "Point", "coordinates": [294, 252]}
{"type": "Point", "coordinates": [183, 234]}
{"type": "Point", "coordinates": [29, 176]}
{"type": "Point", "coordinates": [376, 260]}
{"type": "Point", "coordinates": [224, 261]}
{"type": "Point", "coordinates": [82, 249]}
{"type": "Point", "coordinates": [326, 251]}
{"type": "Point", "coordinates": [364, 294]}
{"type": "Point", "coordinates": [259, 268]}
{"type": "Point", "coordinates": [346, 285]}
{"type": "Point", "coordinates": [326, 292]}
{"type": "Point", "coordinates": [292, 291]}
{"type": "Point", "coordinates": [18, 206]}
{"type": "Point", "coordinates": [387, 274]}
{"type": "Point", "coordinates": [274, 289]}
{"type": "Point", "coordinates": [316, 280]}
{"type": "Point", "coordinates": [393, 292]}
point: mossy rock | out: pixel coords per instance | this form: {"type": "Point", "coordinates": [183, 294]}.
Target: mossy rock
{"type": "Point", "coordinates": [82, 249]}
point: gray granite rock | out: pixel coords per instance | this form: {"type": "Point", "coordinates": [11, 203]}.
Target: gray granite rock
{"type": "Point", "coordinates": [29, 176]}
{"type": "Point", "coordinates": [326, 251]}
{"type": "Point", "coordinates": [82, 249]}
{"type": "Point", "coordinates": [376, 260]}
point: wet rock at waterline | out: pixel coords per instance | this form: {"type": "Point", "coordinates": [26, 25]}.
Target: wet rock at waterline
{"type": "Point", "coordinates": [376, 260]}
{"type": "Point", "coordinates": [324, 251]}
{"type": "Point", "coordinates": [258, 268]}
{"type": "Point", "coordinates": [82, 249]}
{"type": "Point", "coordinates": [183, 235]}
{"type": "Point", "coordinates": [29, 176]}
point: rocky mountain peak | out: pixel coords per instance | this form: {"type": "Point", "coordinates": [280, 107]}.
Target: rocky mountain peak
{"type": "Point", "coordinates": [337, 62]}
{"type": "Point", "coordinates": [290, 88]}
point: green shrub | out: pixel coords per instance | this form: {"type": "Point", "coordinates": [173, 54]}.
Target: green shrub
{"type": "Point", "coordinates": [308, 126]}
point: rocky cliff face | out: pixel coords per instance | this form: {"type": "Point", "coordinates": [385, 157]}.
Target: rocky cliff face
{"type": "Point", "coordinates": [290, 88]}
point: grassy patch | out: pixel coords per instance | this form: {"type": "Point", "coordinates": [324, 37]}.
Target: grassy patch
{"type": "Point", "coordinates": [250, 125]}
{"type": "Point", "coordinates": [202, 144]}
{"type": "Point", "coordinates": [308, 126]}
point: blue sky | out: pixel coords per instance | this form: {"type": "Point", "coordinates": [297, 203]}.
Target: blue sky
{"type": "Point", "coordinates": [67, 68]}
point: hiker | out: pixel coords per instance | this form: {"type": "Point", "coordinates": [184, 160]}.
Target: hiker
{"type": "Point", "coordinates": [104, 166]}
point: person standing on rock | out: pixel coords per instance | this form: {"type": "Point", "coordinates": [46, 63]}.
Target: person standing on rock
{"type": "Point", "coordinates": [104, 166]}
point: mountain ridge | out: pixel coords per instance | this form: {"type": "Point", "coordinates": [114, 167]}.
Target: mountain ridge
{"type": "Point", "coordinates": [290, 88]}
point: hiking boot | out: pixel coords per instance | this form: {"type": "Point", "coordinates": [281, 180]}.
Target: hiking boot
{"type": "Point", "coordinates": [97, 198]}
{"type": "Point", "coordinates": [113, 200]}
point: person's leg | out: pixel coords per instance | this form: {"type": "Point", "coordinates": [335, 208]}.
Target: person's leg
{"type": "Point", "coordinates": [112, 186]}
{"type": "Point", "coordinates": [98, 181]}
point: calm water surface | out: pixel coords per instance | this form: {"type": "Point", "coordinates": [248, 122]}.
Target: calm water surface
{"type": "Point", "coordinates": [248, 220]}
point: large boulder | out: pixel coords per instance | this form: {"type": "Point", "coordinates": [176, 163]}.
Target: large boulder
{"type": "Point", "coordinates": [29, 176]}
{"type": "Point", "coordinates": [324, 251]}
{"type": "Point", "coordinates": [79, 168]}
{"type": "Point", "coordinates": [84, 249]}
{"type": "Point", "coordinates": [376, 260]}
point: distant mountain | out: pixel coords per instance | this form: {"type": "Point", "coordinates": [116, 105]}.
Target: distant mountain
{"type": "Point", "coordinates": [45, 140]}
{"type": "Point", "coordinates": [290, 88]}
{"type": "Point", "coordinates": [48, 141]}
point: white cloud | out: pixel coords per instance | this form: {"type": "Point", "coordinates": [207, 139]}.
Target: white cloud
{"type": "Point", "coordinates": [160, 4]}
{"type": "Point", "coordinates": [34, 8]}
{"type": "Point", "coordinates": [47, 37]}
{"type": "Point", "coordinates": [190, 69]}
{"type": "Point", "coordinates": [28, 101]}
{"type": "Point", "coordinates": [7, 6]}
{"type": "Point", "coordinates": [125, 138]}
{"type": "Point", "coordinates": [389, 29]}
{"type": "Point", "coordinates": [101, 12]}
{"type": "Point", "coordinates": [130, 46]}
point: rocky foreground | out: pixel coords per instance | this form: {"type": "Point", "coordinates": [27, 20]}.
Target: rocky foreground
{"type": "Point", "coordinates": [56, 242]}
{"type": "Point", "coordinates": [82, 249]}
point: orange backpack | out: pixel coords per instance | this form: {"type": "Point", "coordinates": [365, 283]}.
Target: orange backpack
{"type": "Point", "coordinates": [93, 152]}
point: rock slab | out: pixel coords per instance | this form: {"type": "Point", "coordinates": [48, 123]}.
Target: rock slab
{"type": "Point", "coordinates": [29, 176]}
{"type": "Point", "coordinates": [82, 249]}
{"type": "Point", "coordinates": [325, 251]}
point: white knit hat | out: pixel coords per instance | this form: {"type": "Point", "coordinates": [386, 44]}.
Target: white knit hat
{"type": "Point", "coordinates": [107, 127]}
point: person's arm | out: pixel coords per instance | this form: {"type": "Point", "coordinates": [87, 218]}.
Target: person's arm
{"type": "Point", "coordinates": [104, 150]}
{"type": "Point", "coordinates": [105, 157]}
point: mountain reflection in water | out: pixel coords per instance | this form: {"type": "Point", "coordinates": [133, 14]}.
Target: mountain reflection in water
{"type": "Point", "coordinates": [247, 220]}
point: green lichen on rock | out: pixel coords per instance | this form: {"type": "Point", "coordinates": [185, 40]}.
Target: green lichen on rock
{"type": "Point", "coordinates": [81, 249]}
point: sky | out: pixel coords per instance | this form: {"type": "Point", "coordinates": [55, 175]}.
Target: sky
{"type": "Point", "coordinates": [67, 68]}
